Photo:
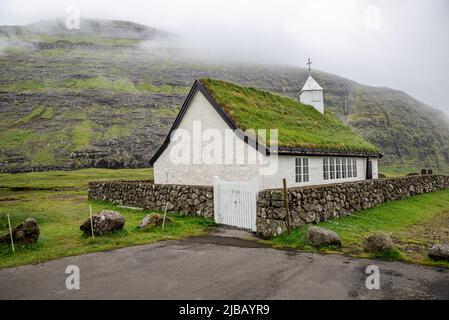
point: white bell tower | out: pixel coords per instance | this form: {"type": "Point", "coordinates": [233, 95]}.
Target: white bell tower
{"type": "Point", "coordinates": [312, 93]}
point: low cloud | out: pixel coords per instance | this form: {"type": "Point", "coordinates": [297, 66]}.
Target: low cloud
{"type": "Point", "coordinates": [403, 44]}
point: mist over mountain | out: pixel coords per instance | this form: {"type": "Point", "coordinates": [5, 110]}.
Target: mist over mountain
{"type": "Point", "coordinates": [88, 27]}
{"type": "Point", "coordinates": [107, 94]}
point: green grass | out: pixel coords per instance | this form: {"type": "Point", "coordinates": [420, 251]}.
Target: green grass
{"type": "Point", "coordinates": [28, 85]}
{"type": "Point", "coordinates": [149, 87]}
{"type": "Point", "coordinates": [44, 156]}
{"type": "Point", "coordinates": [97, 83]}
{"type": "Point", "coordinates": [48, 114]}
{"type": "Point", "coordinates": [414, 224]}
{"type": "Point", "coordinates": [402, 169]}
{"type": "Point", "coordinates": [15, 50]}
{"type": "Point", "coordinates": [36, 148]}
{"type": "Point", "coordinates": [52, 53]}
{"type": "Point", "coordinates": [389, 255]}
{"type": "Point", "coordinates": [106, 41]}
{"type": "Point", "coordinates": [116, 132]}
{"type": "Point", "coordinates": [33, 114]}
{"type": "Point", "coordinates": [83, 133]}
{"type": "Point", "coordinates": [299, 125]}
{"type": "Point", "coordinates": [60, 213]}
{"type": "Point", "coordinates": [13, 138]}
{"type": "Point", "coordinates": [101, 83]}
{"type": "Point", "coordinates": [166, 112]}
{"type": "Point", "coordinates": [69, 179]}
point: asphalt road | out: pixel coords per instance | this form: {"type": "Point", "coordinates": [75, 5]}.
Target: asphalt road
{"type": "Point", "coordinates": [215, 267]}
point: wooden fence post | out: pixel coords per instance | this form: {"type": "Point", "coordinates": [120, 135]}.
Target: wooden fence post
{"type": "Point", "coordinates": [10, 234]}
{"type": "Point", "coordinates": [289, 221]}
{"type": "Point", "coordinates": [165, 214]}
{"type": "Point", "coordinates": [91, 222]}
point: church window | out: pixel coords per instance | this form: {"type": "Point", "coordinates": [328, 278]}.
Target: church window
{"type": "Point", "coordinates": [332, 167]}
{"type": "Point", "coordinates": [302, 170]}
{"type": "Point", "coordinates": [326, 168]}
{"type": "Point", "coordinates": [349, 168]}
{"type": "Point", "coordinates": [338, 167]}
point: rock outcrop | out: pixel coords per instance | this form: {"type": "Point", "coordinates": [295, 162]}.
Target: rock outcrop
{"type": "Point", "coordinates": [103, 222]}
{"type": "Point", "coordinates": [25, 233]}
{"type": "Point", "coordinates": [439, 252]}
{"type": "Point", "coordinates": [153, 220]}
{"type": "Point", "coordinates": [379, 242]}
{"type": "Point", "coordinates": [319, 237]}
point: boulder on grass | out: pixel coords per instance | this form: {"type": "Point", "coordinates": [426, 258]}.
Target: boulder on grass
{"type": "Point", "coordinates": [379, 242]}
{"type": "Point", "coordinates": [103, 222]}
{"type": "Point", "coordinates": [439, 252]}
{"type": "Point", "coordinates": [25, 233]}
{"type": "Point", "coordinates": [153, 220]}
{"type": "Point", "coordinates": [319, 237]}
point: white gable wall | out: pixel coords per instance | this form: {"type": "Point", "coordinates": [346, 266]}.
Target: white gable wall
{"type": "Point", "coordinates": [313, 98]}
{"type": "Point", "coordinates": [165, 172]}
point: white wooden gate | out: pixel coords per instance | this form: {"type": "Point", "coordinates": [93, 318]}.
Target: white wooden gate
{"type": "Point", "coordinates": [235, 203]}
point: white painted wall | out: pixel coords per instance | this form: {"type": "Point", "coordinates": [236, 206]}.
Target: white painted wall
{"type": "Point", "coordinates": [375, 168]}
{"type": "Point", "coordinates": [313, 98]}
{"type": "Point", "coordinates": [166, 172]}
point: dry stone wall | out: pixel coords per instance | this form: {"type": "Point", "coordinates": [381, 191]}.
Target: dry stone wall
{"type": "Point", "coordinates": [307, 204]}
{"type": "Point", "coordinates": [319, 203]}
{"type": "Point", "coordinates": [189, 200]}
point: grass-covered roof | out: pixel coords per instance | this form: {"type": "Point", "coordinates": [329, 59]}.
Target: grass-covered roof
{"type": "Point", "coordinates": [299, 125]}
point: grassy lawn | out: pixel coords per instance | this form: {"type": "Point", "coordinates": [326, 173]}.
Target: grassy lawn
{"type": "Point", "coordinates": [414, 224]}
{"type": "Point", "coordinates": [58, 201]}
{"type": "Point", "coordinates": [69, 179]}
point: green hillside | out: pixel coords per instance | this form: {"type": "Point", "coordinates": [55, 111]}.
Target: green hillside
{"type": "Point", "coordinates": [94, 100]}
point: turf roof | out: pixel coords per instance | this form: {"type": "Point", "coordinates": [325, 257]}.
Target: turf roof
{"type": "Point", "coordinates": [300, 126]}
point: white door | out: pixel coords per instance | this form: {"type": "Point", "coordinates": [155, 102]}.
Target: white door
{"type": "Point", "coordinates": [235, 203]}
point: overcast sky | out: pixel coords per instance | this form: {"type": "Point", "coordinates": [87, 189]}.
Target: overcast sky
{"type": "Point", "coordinates": [402, 44]}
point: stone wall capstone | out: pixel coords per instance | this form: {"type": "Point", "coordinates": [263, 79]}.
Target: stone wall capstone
{"type": "Point", "coordinates": [188, 200]}
{"type": "Point", "coordinates": [319, 203]}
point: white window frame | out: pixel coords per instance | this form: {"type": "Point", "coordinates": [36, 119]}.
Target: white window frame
{"type": "Point", "coordinates": [298, 176]}
{"type": "Point", "coordinates": [326, 168]}
{"type": "Point", "coordinates": [305, 169]}
{"type": "Point", "coordinates": [349, 163]}
{"type": "Point", "coordinates": [302, 169]}
{"type": "Point", "coordinates": [332, 168]}
{"type": "Point", "coordinates": [354, 168]}
{"type": "Point", "coordinates": [337, 168]}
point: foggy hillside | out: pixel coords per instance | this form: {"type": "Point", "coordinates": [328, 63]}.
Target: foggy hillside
{"type": "Point", "coordinates": [88, 27]}
{"type": "Point", "coordinates": [107, 96]}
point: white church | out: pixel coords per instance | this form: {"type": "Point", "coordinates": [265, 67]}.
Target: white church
{"type": "Point", "coordinates": [215, 109]}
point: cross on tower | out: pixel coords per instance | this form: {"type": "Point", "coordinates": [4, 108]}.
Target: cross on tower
{"type": "Point", "coordinates": [309, 62]}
